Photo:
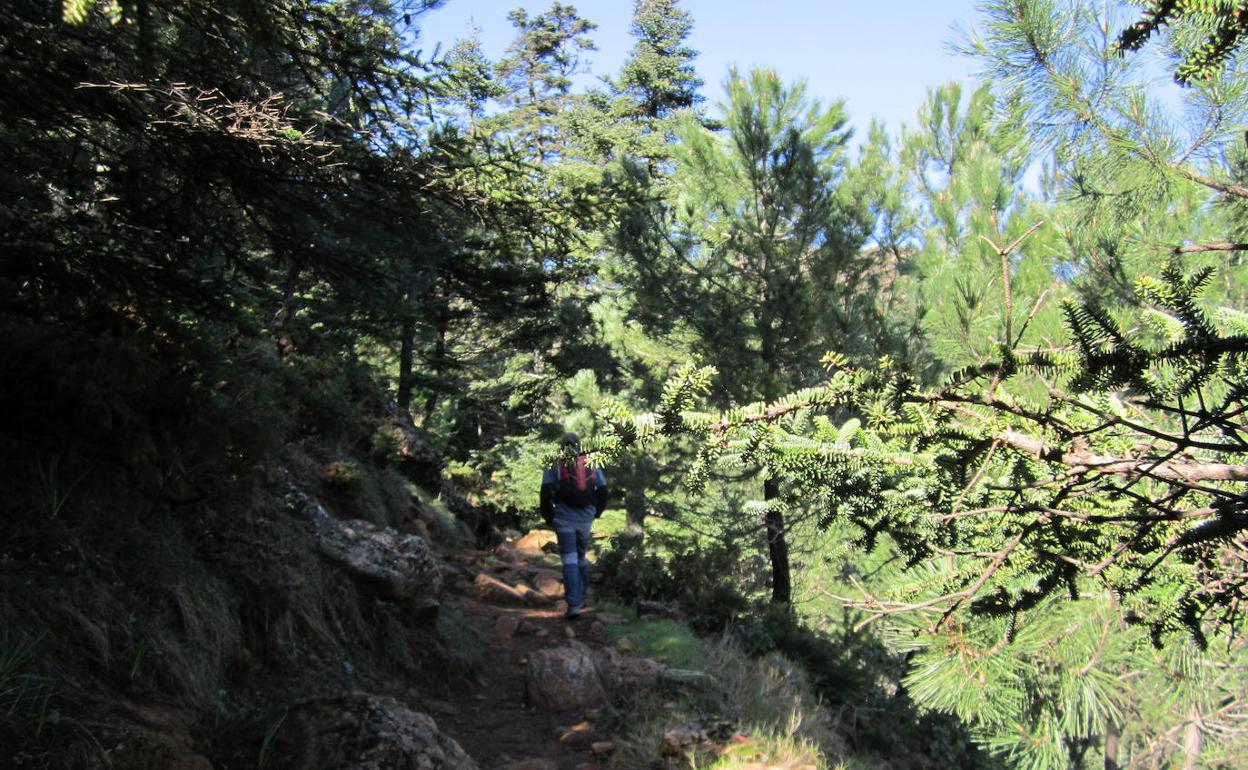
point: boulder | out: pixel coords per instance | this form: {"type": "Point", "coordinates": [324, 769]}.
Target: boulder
{"type": "Point", "coordinates": [563, 678]}
{"type": "Point", "coordinates": [533, 597]}
{"type": "Point", "coordinates": [358, 731]}
{"type": "Point", "coordinates": [621, 674]}
{"type": "Point", "coordinates": [548, 585]}
{"type": "Point", "coordinates": [699, 735]}
{"type": "Point", "coordinates": [394, 566]}
{"type": "Point", "coordinates": [659, 610]}
{"type": "Point", "coordinates": [417, 459]}
{"type": "Point", "coordinates": [492, 589]}
{"type": "Point", "coordinates": [535, 543]}
{"type": "Point", "coordinates": [574, 676]}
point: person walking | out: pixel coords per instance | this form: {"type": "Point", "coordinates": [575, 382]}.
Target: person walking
{"type": "Point", "coordinates": [572, 496]}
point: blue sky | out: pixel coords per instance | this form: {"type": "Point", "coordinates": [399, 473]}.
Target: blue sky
{"type": "Point", "coordinates": [881, 57]}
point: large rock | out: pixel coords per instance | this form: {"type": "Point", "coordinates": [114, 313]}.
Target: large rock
{"type": "Point", "coordinates": [563, 678]}
{"type": "Point", "coordinates": [492, 589]}
{"type": "Point", "coordinates": [392, 565]}
{"type": "Point", "coordinates": [537, 543]}
{"type": "Point", "coordinates": [363, 732]}
{"type": "Point", "coordinates": [417, 459]}
{"type": "Point", "coordinates": [622, 674]}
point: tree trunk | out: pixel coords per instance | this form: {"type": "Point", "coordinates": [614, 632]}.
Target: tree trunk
{"type": "Point", "coordinates": [777, 547]}
{"type": "Point", "coordinates": [1111, 747]}
{"type": "Point", "coordinates": [405, 363]}
{"type": "Point", "coordinates": [635, 509]}
{"type": "Point", "coordinates": [407, 343]}
{"type": "Point", "coordinates": [1193, 741]}
{"type": "Point", "coordinates": [439, 357]}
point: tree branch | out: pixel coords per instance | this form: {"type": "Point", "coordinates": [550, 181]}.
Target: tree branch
{"type": "Point", "coordinates": [1123, 466]}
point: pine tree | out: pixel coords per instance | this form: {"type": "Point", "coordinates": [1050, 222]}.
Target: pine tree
{"type": "Point", "coordinates": [538, 70]}
{"type": "Point", "coordinates": [755, 243]}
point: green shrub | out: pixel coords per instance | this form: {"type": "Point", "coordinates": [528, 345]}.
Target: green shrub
{"type": "Point", "coordinates": [344, 475]}
{"type": "Point", "coordinates": [703, 577]}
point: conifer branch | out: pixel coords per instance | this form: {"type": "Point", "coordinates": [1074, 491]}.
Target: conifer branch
{"type": "Point", "coordinates": [1088, 461]}
{"type": "Point", "coordinates": [1200, 248]}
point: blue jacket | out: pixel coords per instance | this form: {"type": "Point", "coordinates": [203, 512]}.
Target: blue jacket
{"type": "Point", "coordinates": [557, 510]}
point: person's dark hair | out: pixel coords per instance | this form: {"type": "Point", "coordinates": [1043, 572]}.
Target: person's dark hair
{"type": "Point", "coordinates": [570, 440]}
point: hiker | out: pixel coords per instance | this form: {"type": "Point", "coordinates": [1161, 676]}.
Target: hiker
{"type": "Point", "coordinates": [573, 495]}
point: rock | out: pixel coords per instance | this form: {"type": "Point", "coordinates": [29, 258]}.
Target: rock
{"type": "Point", "coordinates": [494, 590]}
{"type": "Point", "coordinates": [417, 459]}
{"type": "Point", "coordinates": [530, 764]}
{"type": "Point", "coordinates": [534, 543]}
{"type": "Point", "coordinates": [659, 610]}
{"type": "Point", "coordinates": [578, 734]}
{"type": "Point", "coordinates": [570, 677]}
{"type": "Point", "coordinates": [612, 618]}
{"type": "Point", "coordinates": [563, 678]}
{"type": "Point", "coordinates": [421, 528]}
{"type": "Point", "coordinates": [624, 673]}
{"type": "Point", "coordinates": [530, 627]}
{"type": "Point", "coordinates": [549, 586]}
{"type": "Point", "coordinates": [698, 735]}
{"type": "Point", "coordinates": [533, 597]}
{"type": "Point", "coordinates": [683, 679]}
{"type": "Point", "coordinates": [602, 748]}
{"type": "Point", "coordinates": [442, 707]}
{"type": "Point", "coordinates": [358, 731]}
{"type": "Point", "coordinates": [394, 566]}
{"type": "Point", "coordinates": [508, 626]}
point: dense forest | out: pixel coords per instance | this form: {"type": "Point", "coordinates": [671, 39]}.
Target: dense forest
{"type": "Point", "coordinates": [954, 420]}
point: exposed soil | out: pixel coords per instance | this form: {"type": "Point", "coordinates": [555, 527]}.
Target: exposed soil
{"type": "Point", "coordinates": [489, 716]}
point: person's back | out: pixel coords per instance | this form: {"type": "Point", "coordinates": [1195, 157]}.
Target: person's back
{"type": "Point", "coordinates": [572, 496]}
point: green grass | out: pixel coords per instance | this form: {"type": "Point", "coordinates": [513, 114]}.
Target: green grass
{"type": "Point", "coordinates": [665, 640]}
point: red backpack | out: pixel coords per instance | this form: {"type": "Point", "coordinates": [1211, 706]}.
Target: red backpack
{"type": "Point", "coordinates": [578, 484]}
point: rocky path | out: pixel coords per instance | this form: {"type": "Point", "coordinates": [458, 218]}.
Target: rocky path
{"type": "Point", "coordinates": [512, 598]}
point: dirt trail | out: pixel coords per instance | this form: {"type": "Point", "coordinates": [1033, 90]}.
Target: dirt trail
{"type": "Point", "coordinates": [489, 717]}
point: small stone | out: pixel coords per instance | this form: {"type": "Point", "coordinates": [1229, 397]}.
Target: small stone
{"type": "Point", "coordinates": [569, 632]}
{"type": "Point", "coordinates": [602, 748]}
{"type": "Point", "coordinates": [580, 732]}
{"type": "Point", "coordinates": [507, 626]}
{"type": "Point", "coordinates": [549, 586]}
{"type": "Point", "coordinates": [597, 628]}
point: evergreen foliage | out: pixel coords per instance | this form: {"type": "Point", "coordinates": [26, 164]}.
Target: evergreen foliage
{"type": "Point", "coordinates": [232, 229]}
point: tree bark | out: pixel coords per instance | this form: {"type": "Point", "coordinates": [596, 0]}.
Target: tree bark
{"type": "Point", "coordinates": [777, 547]}
{"type": "Point", "coordinates": [405, 364]}
{"type": "Point", "coordinates": [407, 343]}
{"type": "Point", "coordinates": [1193, 740]}
{"type": "Point", "coordinates": [439, 357]}
{"type": "Point", "coordinates": [1111, 747]}
{"type": "Point", "coordinates": [635, 510]}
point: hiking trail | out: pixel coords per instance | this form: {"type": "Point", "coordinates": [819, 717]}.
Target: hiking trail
{"type": "Point", "coordinates": [512, 596]}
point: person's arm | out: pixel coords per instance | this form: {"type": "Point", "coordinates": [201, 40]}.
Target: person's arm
{"type": "Point", "coordinates": [547, 500]}
{"type": "Point", "coordinates": [600, 501]}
